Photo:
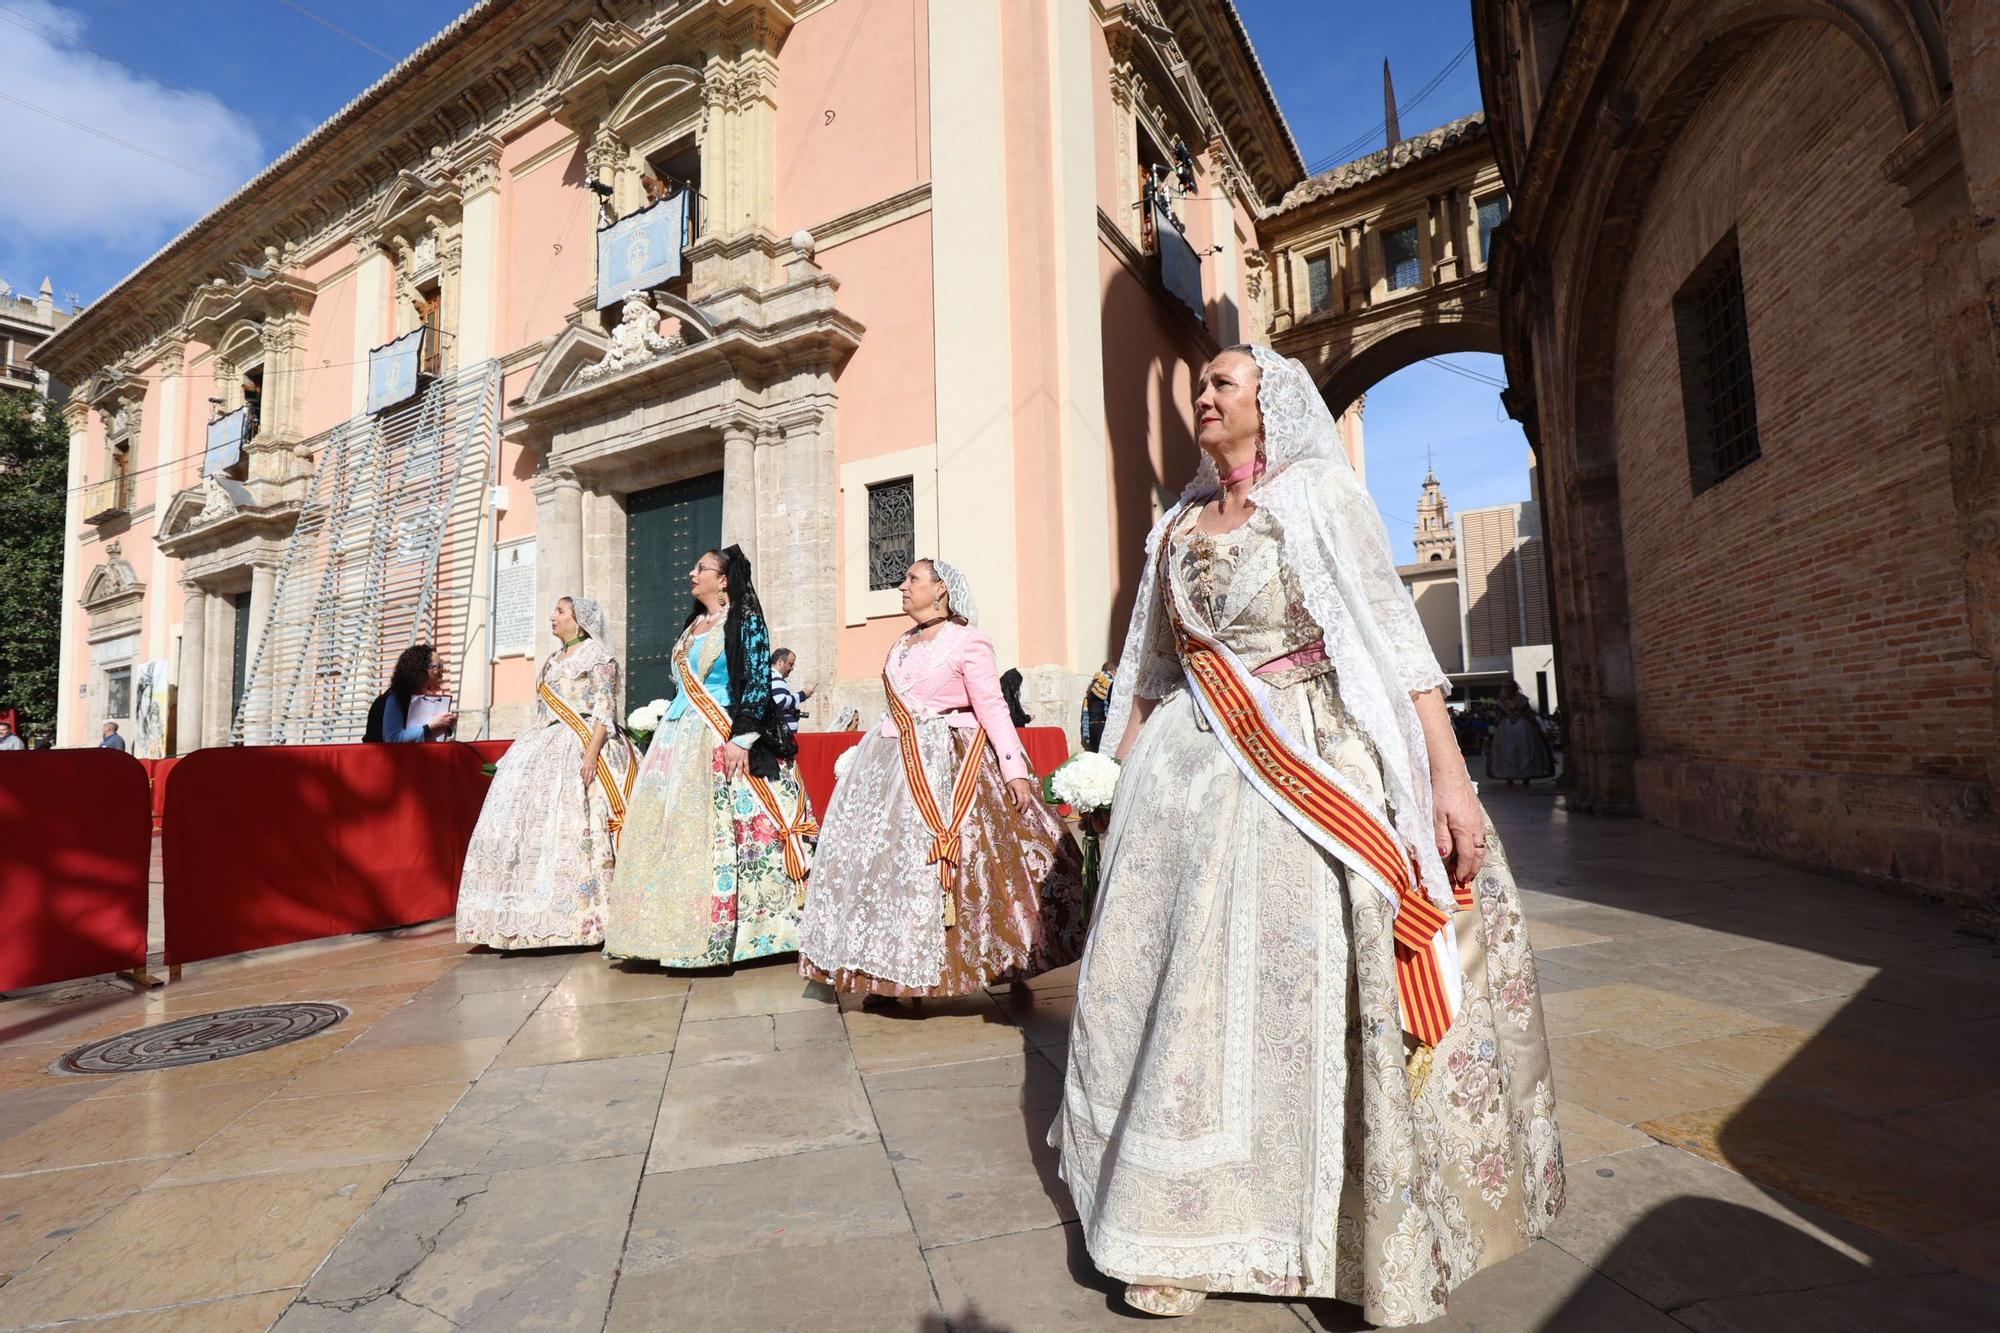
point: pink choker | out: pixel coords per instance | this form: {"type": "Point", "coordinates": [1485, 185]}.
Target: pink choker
{"type": "Point", "coordinates": [1254, 467]}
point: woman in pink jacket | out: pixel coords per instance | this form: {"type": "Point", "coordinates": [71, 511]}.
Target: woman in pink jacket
{"type": "Point", "coordinates": [939, 869]}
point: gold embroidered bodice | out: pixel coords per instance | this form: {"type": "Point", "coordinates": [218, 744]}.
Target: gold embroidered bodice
{"type": "Point", "coordinates": [1238, 585]}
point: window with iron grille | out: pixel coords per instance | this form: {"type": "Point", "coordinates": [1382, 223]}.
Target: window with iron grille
{"type": "Point", "coordinates": [1400, 259]}
{"type": "Point", "coordinates": [1492, 212]}
{"type": "Point", "coordinates": [1718, 393]}
{"type": "Point", "coordinates": [1319, 281]}
{"type": "Point", "coordinates": [892, 532]}
{"type": "Point", "coordinates": [118, 692]}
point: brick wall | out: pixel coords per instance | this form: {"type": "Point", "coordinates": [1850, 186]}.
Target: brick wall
{"type": "Point", "coordinates": [1807, 613]}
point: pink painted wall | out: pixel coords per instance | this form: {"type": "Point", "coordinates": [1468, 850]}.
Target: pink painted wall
{"type": "Point", "coordinates": [1151, 356]}
{"type": "Point", "coordinates": [548, 235]}
{"type": "Point", "coordinates": [888, 389]}
{"type": "Point", "coordinates": [329, 378]}
{"type": "Point", "coordinates": [1041, 561]}
{"type": "Point", "coordinates": [866, 63]}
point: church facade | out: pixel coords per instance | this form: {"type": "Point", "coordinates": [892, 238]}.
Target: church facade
{"type": "Point", "coordinates": [842, 281]}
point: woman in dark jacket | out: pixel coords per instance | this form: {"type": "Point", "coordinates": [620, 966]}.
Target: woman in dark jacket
{"type": "Point", "coordinates": [718, 836]}
{"type": "Point", "coordinates": [418, 671]}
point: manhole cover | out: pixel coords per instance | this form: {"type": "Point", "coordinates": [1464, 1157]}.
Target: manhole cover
{"type": "Point", "coordinates": [205, 1037]}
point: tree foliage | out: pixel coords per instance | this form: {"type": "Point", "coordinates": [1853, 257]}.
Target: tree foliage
{"type": "Point", "coordinates": [34, 468]}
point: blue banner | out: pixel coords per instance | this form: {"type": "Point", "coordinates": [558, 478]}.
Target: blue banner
{"type": "Point", "coordinates": [392, 369]}
{"type": "Point", "coordinates": [225, 442]}
{"type": "Point", "coordinates": [1180, 267]}
{"type": "Point", "coordinates": [639, 252]}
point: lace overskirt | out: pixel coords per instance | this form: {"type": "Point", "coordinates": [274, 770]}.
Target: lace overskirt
{"type": "Point", "coordinates": [541, 857]}
{"type": "Point", "coordinates": [874, 917]}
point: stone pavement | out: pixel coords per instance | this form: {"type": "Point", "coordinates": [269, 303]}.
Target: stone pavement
{"type": "Point", "coordinates": [1779, 1095]}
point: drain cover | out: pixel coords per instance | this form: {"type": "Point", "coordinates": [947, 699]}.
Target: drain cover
{"type": "Point", "coordinates": [205, 1037]}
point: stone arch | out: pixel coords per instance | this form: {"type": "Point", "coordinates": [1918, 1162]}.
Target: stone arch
{"type": "Point", "coordinates": [1400, 341]}
{"type": "Point", "coordinates": [649, 105]}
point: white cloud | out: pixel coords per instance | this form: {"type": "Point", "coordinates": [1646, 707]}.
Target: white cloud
{"type": "Point", "coordinates": [66, 185]}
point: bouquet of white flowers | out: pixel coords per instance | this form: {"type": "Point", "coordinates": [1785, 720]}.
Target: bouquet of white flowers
{"type": "Point", "coordinates": [1084, 783]}
{"type": "Point", "coordinates": [844, 762]}
{"type": "Point", "coordinates": [644, 720]}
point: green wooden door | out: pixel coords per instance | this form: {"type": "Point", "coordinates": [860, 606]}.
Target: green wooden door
{"type": "Point", "coordinates": [666, 530]}
{"type": "Point", "coordinates": [240, 663]}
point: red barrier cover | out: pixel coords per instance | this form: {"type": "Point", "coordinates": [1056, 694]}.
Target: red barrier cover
{"type": "Point", "coordinates": [269, 845]}
{"type": "Point", "coordinates": [1047, 747]}
{"type": "Point", "coordinates": [76, 830]}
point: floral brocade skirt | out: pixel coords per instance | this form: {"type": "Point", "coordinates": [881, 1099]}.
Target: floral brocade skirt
{"type": "Point", "coordinates": [874, 920]}
{"type": "Point", "coordinates": [1243, 1110]}
{"type": "Point", "coordinates": [704, 881]}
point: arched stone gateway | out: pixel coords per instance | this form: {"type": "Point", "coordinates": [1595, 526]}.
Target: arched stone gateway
{"type": "Point", "coordinates": [1381, 263]}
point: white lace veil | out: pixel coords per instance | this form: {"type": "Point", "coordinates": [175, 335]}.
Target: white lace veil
{"type": "Point", "coordinates": [590, 619]}
{"type": "Point", "coordinates": [956, 588]}
{"type": "Point", "coordinates": [1338, 551]}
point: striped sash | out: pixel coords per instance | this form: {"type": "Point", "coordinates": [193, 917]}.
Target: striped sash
{"type": "Point", "coordinates": [1321, 805]}
{"type": "Point", "coordinates": [617, 787]}
{"type": "Point", "coordinates": [945, 846]}
{"type": "Point", "coordinates": [792, 832]}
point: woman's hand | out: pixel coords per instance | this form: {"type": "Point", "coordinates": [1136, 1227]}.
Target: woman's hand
{"type": "Point", "coordinates": [1461, 826]}
{"type": "Point", "coordinates": [589, 769]}
{"type": "Point", "coordinates": [735, 761]}
{"type": "Point", "coordinates": [1022, 792]}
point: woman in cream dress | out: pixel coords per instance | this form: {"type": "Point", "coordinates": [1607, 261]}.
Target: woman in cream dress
{"type": "Point", "coordinates": [1258, 1098]}
{"type": "Point", "coordinates": [541, 857]}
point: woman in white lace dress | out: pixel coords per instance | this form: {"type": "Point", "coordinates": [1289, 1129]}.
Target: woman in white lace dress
{"type": "Point", "coordinates": [1307, 1057]}
{"type": "Point", "coordinates": [541, 857]}
{"type": "Point", "coordinates": [940, 870]}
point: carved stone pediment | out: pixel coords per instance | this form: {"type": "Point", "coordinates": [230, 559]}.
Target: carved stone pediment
{"type": "Point", "coordinates": [599, 48]}
{"type": "Point", "coordinates": [261, 294]}
{"type": "Point", "coordinates": [112, 587]}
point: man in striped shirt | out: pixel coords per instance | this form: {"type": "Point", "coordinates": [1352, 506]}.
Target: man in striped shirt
{"type": "Point", "coordinates": [783, 695]}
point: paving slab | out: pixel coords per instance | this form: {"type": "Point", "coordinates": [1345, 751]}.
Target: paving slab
{"type": "Point", "coordinates": [1542, 1290]}
{"type": "Point", "coordinates": [545, 1114]}
{"type": "Point", "coordinates": [755, 1106]}
{"type": "Point", "coordinates": [595, 1032]}
{"type": "Point", "coordinates": [1931, 1301]}
{"type": "Point", "coordinates": [196, 1242]}
{"type": "Point", "coordinates": [536, 1247]}
{"type": "Point", "coordinates": [766, 1206]}
{"type": "Point", "coordinates": [1674, 1229]}
{"type": "Point", "coordinates": [971, 1164]}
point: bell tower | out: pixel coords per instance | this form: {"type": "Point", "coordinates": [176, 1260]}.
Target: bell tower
{"type": "Point", "coordinates": [1434, 540]}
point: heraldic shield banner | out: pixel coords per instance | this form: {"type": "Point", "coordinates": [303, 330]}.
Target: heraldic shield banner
{"type": "Point", "coordinates": [639, 252]}
{"type": "Point", "coordinates": [392, 369]}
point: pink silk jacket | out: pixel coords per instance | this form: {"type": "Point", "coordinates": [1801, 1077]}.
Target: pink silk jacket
{"type": "Point", "coordinates": [958, 676]}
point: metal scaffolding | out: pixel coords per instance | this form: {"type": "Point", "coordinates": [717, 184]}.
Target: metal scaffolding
{"type": "Point", "coordinates": [382, 557]}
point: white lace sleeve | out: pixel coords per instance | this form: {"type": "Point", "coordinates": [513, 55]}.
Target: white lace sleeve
{"type": "Point", "coordinates": [1388, 599]}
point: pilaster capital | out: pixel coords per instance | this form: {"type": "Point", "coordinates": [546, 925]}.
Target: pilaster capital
{"type": "Point", "coordinates": [554, 480]}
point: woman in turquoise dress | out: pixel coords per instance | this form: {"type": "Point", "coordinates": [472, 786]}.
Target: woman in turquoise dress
{"type": "Point", "coordinates": [718, 835]}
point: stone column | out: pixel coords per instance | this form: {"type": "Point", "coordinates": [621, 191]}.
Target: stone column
{"type": "Point", "coordinates": [219, 624]}
{"type": "Point", "coordinates": [479, 257]}
{"type": "Point", "coordinates": [259, 707]}
{"type": "Point", "coordinates": [192, 675]}
{"type": "Point", "coordinates": [72, 668]}
{"type": "Point", "coordinates": [739, 487]}
{"type": "Point", "coordinates": [372, 275]}
{"type": "Point", "coordinates": [558, 535]}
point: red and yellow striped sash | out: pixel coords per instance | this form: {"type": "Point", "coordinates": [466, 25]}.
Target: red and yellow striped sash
{"type": "Point", "coordinates": [792, 832]}
{"type": "Point", "coordinates": [617, 790]}
{"type": "Point", "coordinates": [945, 843]}
{"type": "Point", "coordinates": [1313, 798]}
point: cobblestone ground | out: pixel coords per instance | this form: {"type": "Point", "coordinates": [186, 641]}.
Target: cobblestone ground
{"type": "Point", "coordinates": [1779, 1095]}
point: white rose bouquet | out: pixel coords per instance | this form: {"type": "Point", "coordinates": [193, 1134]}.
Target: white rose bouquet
{"type": "Point", "coordinates": [1086, 784]}
{"type": "Point", "coordinates": [644, 720]}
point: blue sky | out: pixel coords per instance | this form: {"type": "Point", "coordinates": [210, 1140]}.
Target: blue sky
{"type": "Point", "coordinates": [187, 81]}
